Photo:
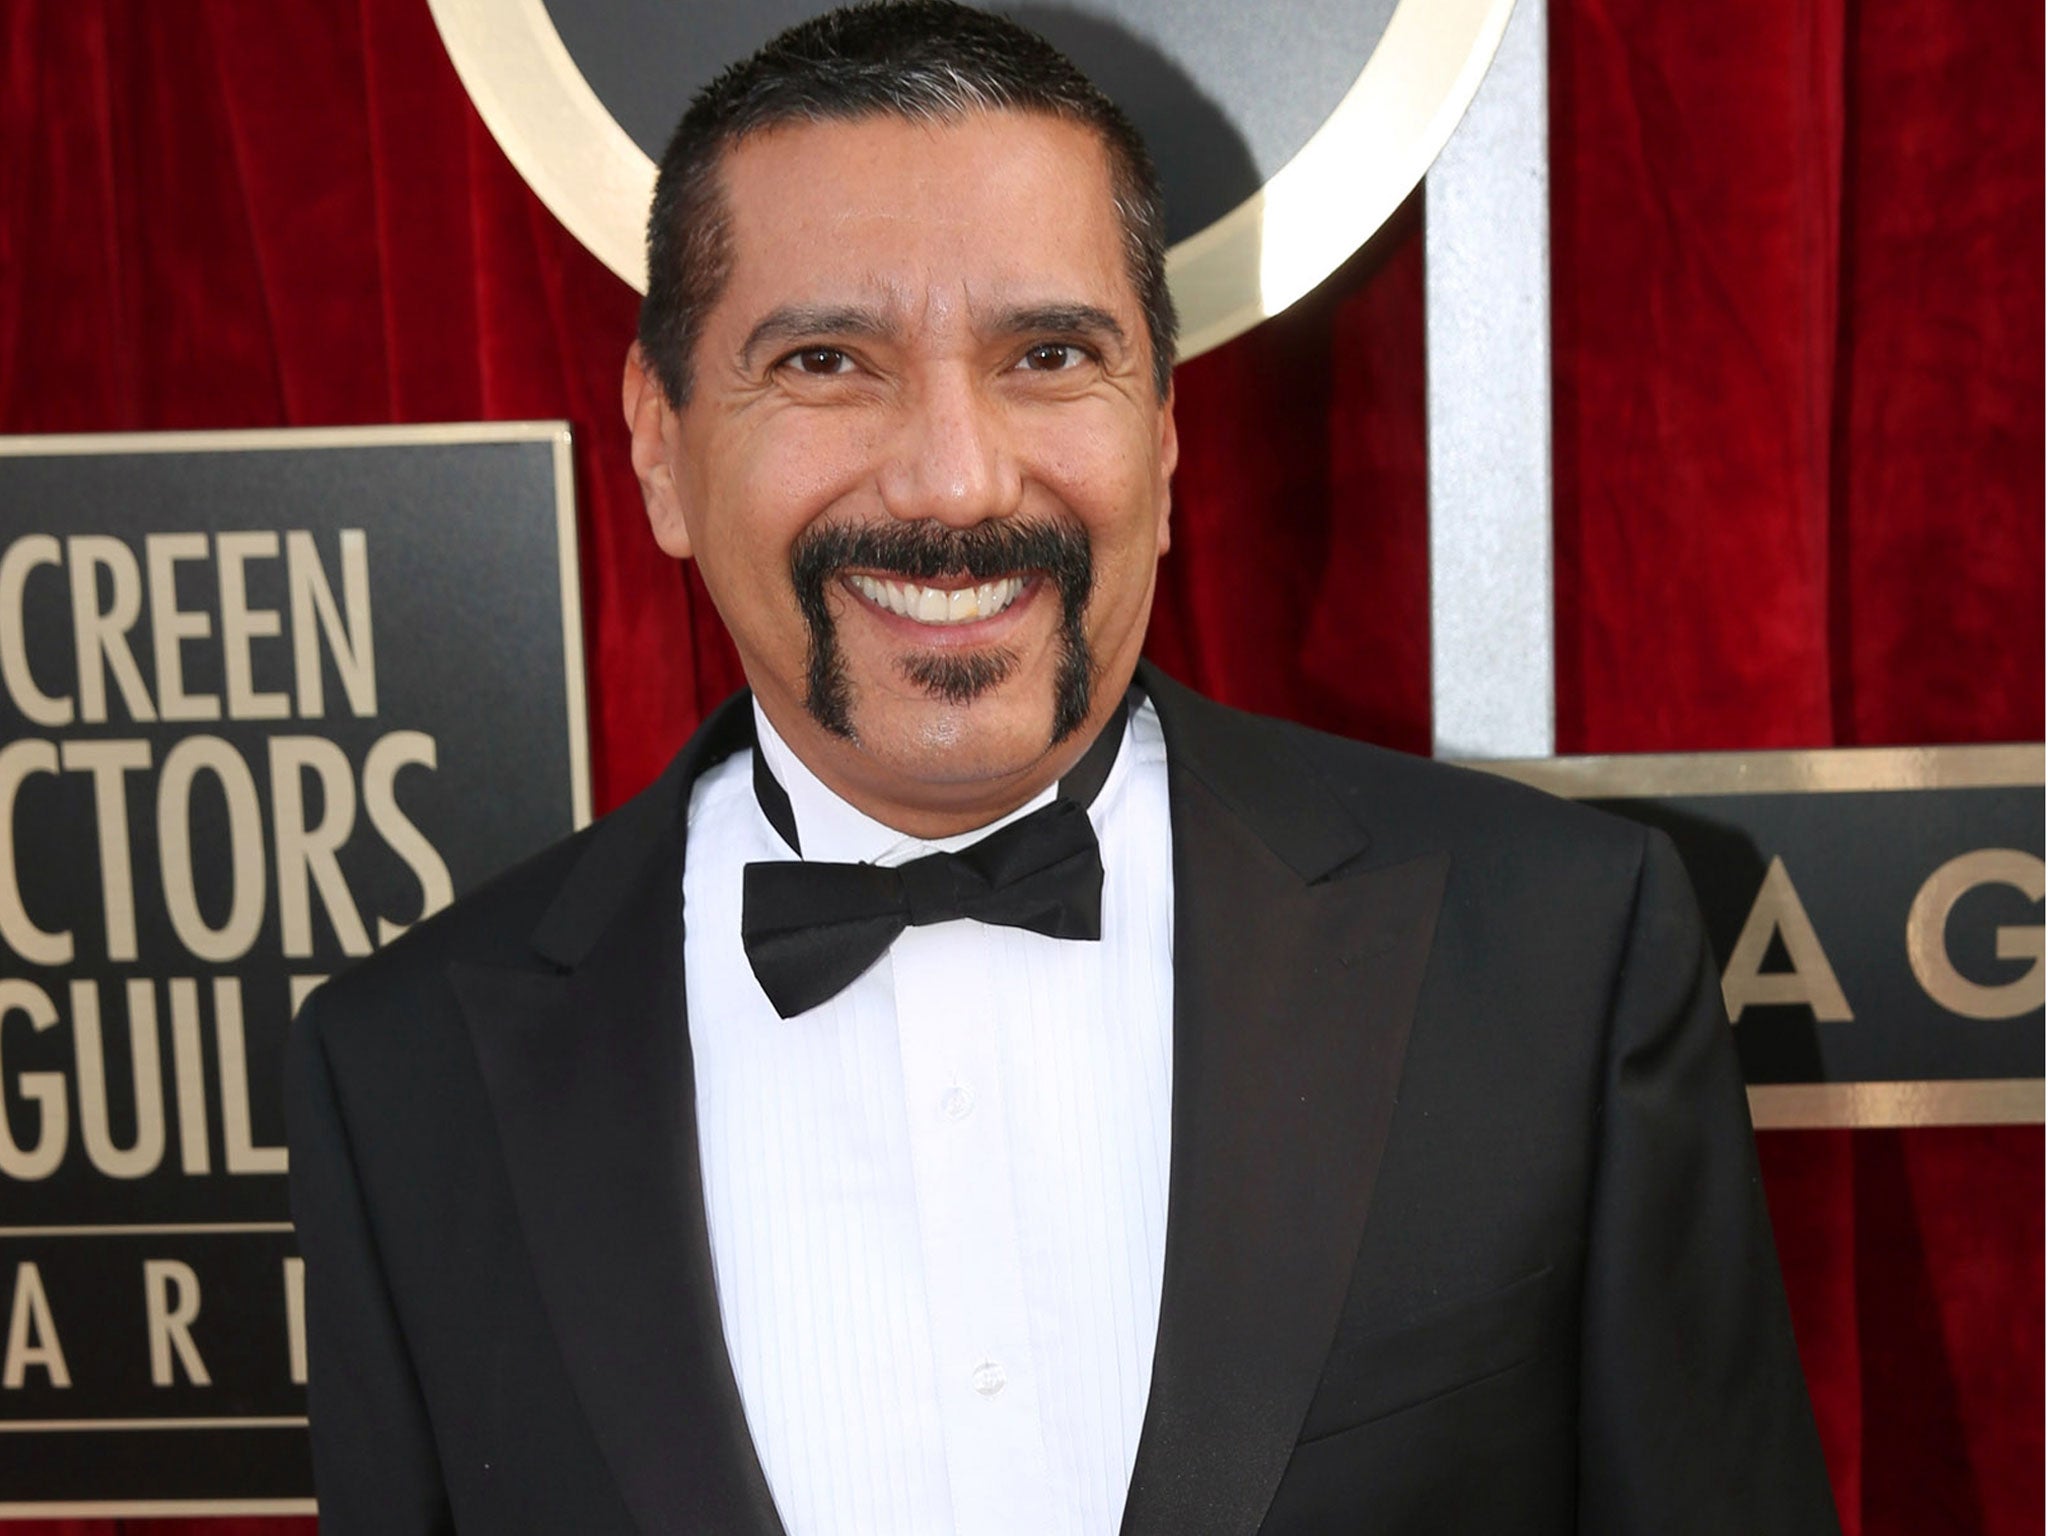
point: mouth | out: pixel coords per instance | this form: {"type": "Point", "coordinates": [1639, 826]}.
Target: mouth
{"type": "Point", "coordinates": [941, 607]}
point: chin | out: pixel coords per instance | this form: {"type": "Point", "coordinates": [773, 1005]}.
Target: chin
{"type": "Point", "coordinates": [989, 738]}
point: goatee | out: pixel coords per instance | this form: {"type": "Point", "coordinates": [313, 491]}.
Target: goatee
{"type": "Point", "coordinates": [928, 551]}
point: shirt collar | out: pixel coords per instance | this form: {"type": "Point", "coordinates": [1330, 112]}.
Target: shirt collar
{"type": "Point", "coordinates": [832, 830]}
{"type": "Point", "coordinates": [829, 829]}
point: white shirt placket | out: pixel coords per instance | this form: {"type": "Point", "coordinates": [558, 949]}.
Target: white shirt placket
{"type": "Point", "coordinates": [967, 1228]}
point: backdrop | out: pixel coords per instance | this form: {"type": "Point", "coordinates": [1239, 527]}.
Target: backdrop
{"type": "Point", "coordinates": [1798, 304]}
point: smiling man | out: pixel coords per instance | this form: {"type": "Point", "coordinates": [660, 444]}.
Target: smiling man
{"type": "Point", "coordinates": [982, 1087]}
{"type": "Point", "coordinates": [920, 444]}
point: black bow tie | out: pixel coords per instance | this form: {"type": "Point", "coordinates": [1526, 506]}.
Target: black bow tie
{"type": "Point", "coordinates": [812, 928]}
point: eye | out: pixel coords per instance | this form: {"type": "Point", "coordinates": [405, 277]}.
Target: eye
{"type": "Point", "coordinates": [819, 362]}
{"type": "Point", "coordinates": [1052, 357]}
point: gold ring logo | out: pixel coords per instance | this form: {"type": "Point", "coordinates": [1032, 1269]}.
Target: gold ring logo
{"type": "Point", "coordinates": [1253, 262]}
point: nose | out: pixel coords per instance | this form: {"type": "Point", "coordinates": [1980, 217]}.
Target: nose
{"type": "Point", "coordinates": [951, 460]}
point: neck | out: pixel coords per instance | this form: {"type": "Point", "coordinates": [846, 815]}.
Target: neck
{"type": "Point", "coordinates": [930, 808]}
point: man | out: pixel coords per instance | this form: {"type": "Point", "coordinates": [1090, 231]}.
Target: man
{"type": "Point", "coordinates": [971, 1093]}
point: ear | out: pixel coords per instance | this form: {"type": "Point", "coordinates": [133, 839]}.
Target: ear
{"type": "Point", "coordinates": [652, 422]}
{"type": "Point", "coordinates": [1169, 459]}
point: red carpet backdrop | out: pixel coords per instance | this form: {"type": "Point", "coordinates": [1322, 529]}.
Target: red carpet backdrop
{"type": "Point", "coordinates": [1798, 306]}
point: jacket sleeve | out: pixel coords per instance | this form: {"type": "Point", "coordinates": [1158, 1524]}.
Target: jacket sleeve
{"type": "Point", "coordinates": [374, 1463]}
{"type": "Point", "coordinates": [1694, 1414]}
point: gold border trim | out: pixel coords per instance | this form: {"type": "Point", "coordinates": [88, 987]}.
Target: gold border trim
{"type": "Point", "coordinates": [152, 1229]}
{"type": "Point", "coordinates": [255, 439]}
{"type": "Point", "coordinates": [264, 439]}
{"type": "Point", "coordinates": [568, 563]}
{"type": "Point", "coordinates": [142, 1507]}
{"type": "Point", "coordinates": [1346, 181]}
{"type": "Point", "coordinates": [142, 1426]}
{"type": "Point", "coordinates": [1832, 770]}
{"type": "Point", "coordinates": [551, 125]}
{"type": "Point", "coordinates": [1252, 263]}
{"type": "Point", "coordinates": [1878, 1106]}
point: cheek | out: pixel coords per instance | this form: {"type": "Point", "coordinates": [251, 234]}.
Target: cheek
{"type": "Point", "coordinates": [1117, 500]}
{"type": "Point", "coordinates": [1114, 497]}
{"type": "Point", "coordinates": [784, 478]}
{"type": "Point", "coordinates": [808, 460]}
{"type": "Point", "coordinates": [1100, 454]}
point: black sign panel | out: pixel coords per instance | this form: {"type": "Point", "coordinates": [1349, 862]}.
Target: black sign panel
{"type": "Point", "coordinates": [266, 700]}
{"type": "Point", "coordinates": [1876, 916]}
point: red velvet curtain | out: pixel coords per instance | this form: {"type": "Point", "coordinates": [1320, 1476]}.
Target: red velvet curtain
{"type": "Point", "coordinates": [1797, 248]}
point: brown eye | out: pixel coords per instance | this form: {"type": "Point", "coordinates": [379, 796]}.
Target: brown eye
{"type": "Point", "coordinates": [1052, 357]}
{"type": "Point", "coordinates": [820, 361]}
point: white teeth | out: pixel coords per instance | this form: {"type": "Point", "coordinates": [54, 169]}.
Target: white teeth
{"type": "Point", "coordinates": [940, 605]}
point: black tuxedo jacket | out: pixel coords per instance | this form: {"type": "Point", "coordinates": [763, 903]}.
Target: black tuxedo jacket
{"type": "Point", "coordinates": [1464, 1228]}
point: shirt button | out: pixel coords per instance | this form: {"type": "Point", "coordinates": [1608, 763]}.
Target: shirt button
{"type": "Point", "coordinates": [958, 1104]}
{"type": "Point", "coordinates": [989, 1378]}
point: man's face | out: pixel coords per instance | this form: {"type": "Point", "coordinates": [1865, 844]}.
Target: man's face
{"type": "Point", "coordinates": [923, 467]}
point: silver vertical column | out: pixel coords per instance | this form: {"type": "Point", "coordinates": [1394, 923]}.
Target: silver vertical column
{"type": "Point", "coordinates": [1486, 242]}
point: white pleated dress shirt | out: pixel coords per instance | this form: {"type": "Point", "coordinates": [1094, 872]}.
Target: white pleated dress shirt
{"type": "Point", "coordinates": [937, 1202]}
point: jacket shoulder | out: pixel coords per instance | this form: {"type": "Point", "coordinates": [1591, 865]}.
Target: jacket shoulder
{"type": "Point", "coordinates": [1396, 790]}
{"type": "Point", "coordinates": [1408, 804]}
{"type": "Point", "coordinates": [505, 923]}
{"type": "Point", "coordinates": [489, 926]}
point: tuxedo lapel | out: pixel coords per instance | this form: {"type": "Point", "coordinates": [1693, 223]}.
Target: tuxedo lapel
{"type": "Point", "coordinates": [588, 1069]}
{"type": "Point", "coordinates": [1297, 964]}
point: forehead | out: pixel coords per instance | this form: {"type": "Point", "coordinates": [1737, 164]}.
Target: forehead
{"type": "Point", "coordinates": [992, 207]}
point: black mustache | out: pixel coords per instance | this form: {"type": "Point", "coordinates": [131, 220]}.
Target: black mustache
{"type": "Point", "coordinates": [929, 551]}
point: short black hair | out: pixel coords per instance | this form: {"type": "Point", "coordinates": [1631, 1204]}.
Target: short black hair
{"type": "Point", "coordinates": [923, 60]}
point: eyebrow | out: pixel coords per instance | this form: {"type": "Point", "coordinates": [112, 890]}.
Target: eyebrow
{"type": "Point", "coordinates": [1060, 319]}
{"type": "Point", "coordinates": [798, 322]}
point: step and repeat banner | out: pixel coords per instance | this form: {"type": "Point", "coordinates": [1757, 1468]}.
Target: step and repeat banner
{"type": "Point", "coordinates": [267, 699]}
